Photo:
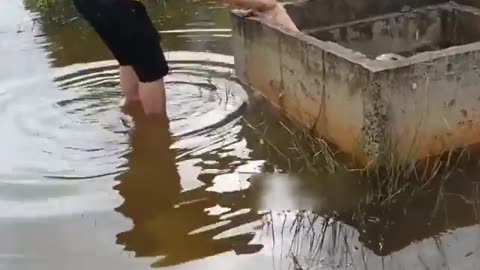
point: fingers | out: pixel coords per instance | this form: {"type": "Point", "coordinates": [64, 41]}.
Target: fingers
{"type": "Point", "coordinates": [279, 16]}
{"type": "Point", "coordinates": [258, 5]}
{"type": "Point", "coordinates": [269, 10]}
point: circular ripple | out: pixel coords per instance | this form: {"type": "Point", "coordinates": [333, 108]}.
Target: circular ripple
{"type": "Point", "coordinates": [61, 134]}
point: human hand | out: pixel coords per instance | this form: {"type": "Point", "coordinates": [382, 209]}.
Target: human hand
{"type": "Point", "coordinates": [279, 16]}
{"type": "Point", "coordinates": [268, 10]}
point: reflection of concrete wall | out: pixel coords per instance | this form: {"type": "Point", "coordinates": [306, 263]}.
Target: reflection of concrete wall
{"type": "Point", "coordinates": [429, 101]}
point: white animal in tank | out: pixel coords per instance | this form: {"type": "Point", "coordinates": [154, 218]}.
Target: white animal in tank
{"type": "Point", "coordinates": [389, 56]}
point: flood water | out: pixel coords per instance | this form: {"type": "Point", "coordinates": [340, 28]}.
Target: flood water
{"type": "Point", "coordinates": [220, 189]}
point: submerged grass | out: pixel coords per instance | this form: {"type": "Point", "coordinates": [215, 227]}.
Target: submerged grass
{"type": "Point", "coordinates": [386, 179]}
{"type": "Point", "coordinates": [326, 243]}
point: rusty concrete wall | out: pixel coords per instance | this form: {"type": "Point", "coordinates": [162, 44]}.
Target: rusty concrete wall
{"type": "Point", "coordinates": [315, 87]}
{"type": "Point", "coordinates": [433, 106]}
{"type": "Point", "coordinates": [328, 12]}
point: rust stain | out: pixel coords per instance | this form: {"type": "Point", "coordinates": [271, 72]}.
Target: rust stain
{"type": "Point", "coordinates": [437, 143]}
{"type": "Point", "coordinates": [452, 103]}
{"type": "Point", "coordinates": [304, 89]}
{"type": "Point", "coordinates": [470, 123]}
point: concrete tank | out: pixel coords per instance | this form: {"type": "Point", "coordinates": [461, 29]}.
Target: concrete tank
{"type": "Point", "coordinates": [373, 77]}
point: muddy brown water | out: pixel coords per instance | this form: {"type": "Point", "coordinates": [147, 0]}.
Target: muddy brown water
{"type": "Point", "coordinates": [81, 189]}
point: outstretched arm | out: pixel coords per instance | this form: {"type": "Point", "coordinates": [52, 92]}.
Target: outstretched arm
{"type": "Point", "coordinates": [258, 5]}
{"type": "Point", "coordinates": [270, 10]}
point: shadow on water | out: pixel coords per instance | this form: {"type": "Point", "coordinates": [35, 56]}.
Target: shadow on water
{"type": "Point", "coordinates": [222, 187]}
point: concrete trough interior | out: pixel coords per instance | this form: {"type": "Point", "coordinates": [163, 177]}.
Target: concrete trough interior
{"type": "Point", "coordinates": [406, 33]}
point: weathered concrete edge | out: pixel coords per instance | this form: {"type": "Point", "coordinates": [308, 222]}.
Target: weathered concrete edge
{"type": "Point", "coordinates": [379, 66]}
{"type": "Point", "coordinates": [329, 47]}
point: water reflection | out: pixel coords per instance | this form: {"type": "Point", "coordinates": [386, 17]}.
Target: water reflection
{"type": "Point", "coordinates": [345, 229]}
{"type": "Point", "coordinates": [178, 226]}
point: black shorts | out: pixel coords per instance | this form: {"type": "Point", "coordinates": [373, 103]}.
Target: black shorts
{"type": "Point", "coordinates": [126, 29]}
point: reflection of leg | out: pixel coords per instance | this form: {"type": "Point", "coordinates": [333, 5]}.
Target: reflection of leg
{"type": "Point", "coordinates": [151, 141]}
{"type": "Point", "coordinates": [151, 186]}
{"type": "Point", "coordinates": [129, 84]}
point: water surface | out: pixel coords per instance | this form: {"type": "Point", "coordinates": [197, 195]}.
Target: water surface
{"type": "Point", "coordinates": [83, 186]}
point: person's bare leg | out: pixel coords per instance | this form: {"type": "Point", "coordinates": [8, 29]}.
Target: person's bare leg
{"type": "Point", "coordinates": [152, 95]}
{"type": "Point", "coordinates": [129, 84]}
{"type": "Point", "coordinates": [279, 16]}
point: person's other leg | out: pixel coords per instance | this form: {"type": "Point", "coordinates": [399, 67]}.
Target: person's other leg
{"type": "Point", "coordinates": [129, 84]}
{"type": "Point", "coordinates": [269, 10]}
